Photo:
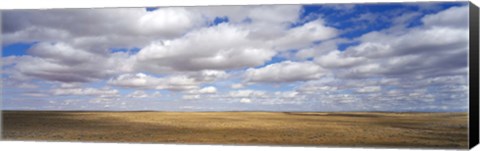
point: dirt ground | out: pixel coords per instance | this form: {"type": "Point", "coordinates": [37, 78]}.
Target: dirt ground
{"type": "Point", "coordinates": [366, 129]}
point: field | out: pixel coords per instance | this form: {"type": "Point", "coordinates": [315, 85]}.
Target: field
{"type": "Point", "coordinates": [370, 129]}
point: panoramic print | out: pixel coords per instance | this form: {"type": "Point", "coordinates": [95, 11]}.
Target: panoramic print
{"type": "Point", "coordinates": [370, 75]}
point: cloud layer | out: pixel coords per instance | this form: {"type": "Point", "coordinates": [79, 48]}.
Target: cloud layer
{"type": "Point", "coordinates": [277, 57]}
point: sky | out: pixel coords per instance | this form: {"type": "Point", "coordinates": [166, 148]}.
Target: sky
{"type": "Point", "coordinates": [345, 57]}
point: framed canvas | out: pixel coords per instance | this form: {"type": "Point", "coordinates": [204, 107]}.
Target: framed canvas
{"type": "Point", "coordinates": [381, 75]}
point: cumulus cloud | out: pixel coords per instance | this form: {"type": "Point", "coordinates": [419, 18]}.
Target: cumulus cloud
{"type": "Point", "coordinates": [64, 63]}
{"type": "Point", "coordinates": [302, 36]}
{"type": "Point", "coordinates": [247, 93]}
{"type": "Point", "coordinates": [35, 94]}
{"type": "Point", "coordinates": [176, 82]}
{"type": "Point", "coordinates": [275, 18]}
{"type": "Point", "coordinates": [215, 48]}
{"type": "Point", "coordinates": [209, 89]}
{"type": "Point", "coordinates": [191, 97]}
{"type": "Point", "coordinates": [245, 100]}
{"type": "Point", "coordinates": [316, 89]}
{"type": "Point", "coordinates": [337, 59]}
{"type": "Point", "coordinates": [323, 48]}
{"type": "Point", "coordinates": [286, 71]}
{"type": "Point", "coordinates": [205, 90]}
{"type": "Point", "coordinates": [105, 27]}
{"type": "Point", "coordinates": [43, 69]}
{"type": "Point", "coordinates": [103, 92]}
{"type": "Point", "coordinates": [143, 81]}
{"type": "Point", "coordinates": [138, 94]}
{"type": "Point", "coordinates": [237, 86]}
{"type": "Point", "coordinates": [200, 93]}
{"type": "Point", "coordinates": [427, 51]}
{"type": "Point", "coordinates": [369, 89]}
{"type": "Point", "coordinates": [209, 75]}
{"type": "Point", "coordinates": [143, 94]}
{"type": "Point", "coordinates": [171, 40]}
{"type": "Point", "coordinates": [138, 80]}
{"type": "Point", "coordinates": [455, 17]}
{"type": "Point", "coordinates": [169, 22]}
{"type": "Point", "coordinates": [287, 94]}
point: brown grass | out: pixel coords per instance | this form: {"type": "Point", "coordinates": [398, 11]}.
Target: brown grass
{"type": "Point", "coordinates": [419, 130]}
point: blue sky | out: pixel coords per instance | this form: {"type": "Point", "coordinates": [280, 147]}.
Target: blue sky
{"type": "Point", "coordinates": [365, 57]}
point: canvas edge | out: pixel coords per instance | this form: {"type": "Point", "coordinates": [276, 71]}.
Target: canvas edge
{"type": "Point", "coordinates": [473, 75]}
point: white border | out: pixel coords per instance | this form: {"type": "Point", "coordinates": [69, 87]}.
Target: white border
{"type": "Point", "coordinates": [75, 146]}
{"type": "Point", "coordinates": [48, 4]}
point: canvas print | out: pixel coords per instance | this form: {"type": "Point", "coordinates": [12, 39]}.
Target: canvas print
{"type": "Point", "coordinates": [368, 75]}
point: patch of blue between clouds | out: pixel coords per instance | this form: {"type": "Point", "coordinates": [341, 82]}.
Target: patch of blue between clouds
{"type": "Point", "coordinates": [133, 50]}
{"type": "Point", "coordinates": [16, 49]}
{"type": "Point", "coordinates": [388, 88]}
{"type": "Point", "coordinates": [275, 59]}
{"type": "Point", "coordinates": [247, 20]}
{"type": "Point", "coordinates": [416, 22]}
{"type": "Point", "coordinates": [149, 9]}
{"type": "Point", "coordinates": [96, 84]}
{"type": "Point", "coordinates": [344, 46]}
{"type": "Point", "coordinates": [219, 20]}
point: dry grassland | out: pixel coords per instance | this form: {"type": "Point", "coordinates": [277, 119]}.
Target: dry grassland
{"type": "Point", "coordinates": [372, 129]}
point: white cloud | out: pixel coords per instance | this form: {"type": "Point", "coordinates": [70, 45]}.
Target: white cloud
{"type": "Point", "coordinates": [138, 94]}
{"type": "Point", "coordinates": [286, 71]}
{"type": "Point", "coordinates": [171, 40]}
{"type": "Point", "coordinates": [208, 90]}
{"type": "Point", "coordinates": [209, 75]}
{"type": "Point", "coordinates": [245, 100]}
{"type": "Point", "coordinates": [35, 94]}
{"type": "Point", "coordinates": [456, 17]}
{"type": "Point", "coordinates": [315, 89]}
{"type": "Point", "coordinates": [143, 81]}
{"type": "Point", "coordinates": [70, 85]}
{"type": "Point", "coordinates": [302, 36]}
{"type": "Point", "coordinates": [215, 48]}
{"type": "Point", "coordinates": [126, 27]}
{"type": "Point", "coordinates": [143, 94]}
{"type": "Point", "coordinates": [46, 70]}
{"type": "Point", "coordinates": [337, 59]}
{"type": "Point", "coordinates": [323, 48]}
{"type": "Point", "coordinates": [275, 18]}
{"type": "Point", "coordinates": [204, 90]}
{"type": "Point", "coordinates": [191, 97]}
{"type": "Point", "coordinates": [169, 22]}
{"type": "Point", "coordinates": [103, 92]}
{"type": "Point", "coordinates": [369, 89]}
{"type": "Point", "coordinates": [247, 93]}
{"type": "Point", "coordinates": [428, 51]}
{"type": "Point", "coordinates": [138, 80]}
{"type": "Point", "coordinates": [62, 53]}
{"type": "Point", "coordinates": [287, 94]}
{"type": "Point", "coordinates": [237, 86]}
{"type": "Point", "coordinates": [64, 63]}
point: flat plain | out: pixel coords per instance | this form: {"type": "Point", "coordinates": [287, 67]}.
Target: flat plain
{"type": "Point", "coordinates": [366, 129]}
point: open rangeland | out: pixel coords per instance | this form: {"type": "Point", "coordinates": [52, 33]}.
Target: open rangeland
{"type": "Point", "coordinates": [373, 129]}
